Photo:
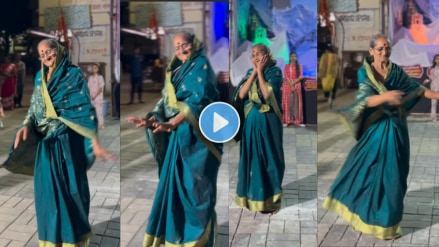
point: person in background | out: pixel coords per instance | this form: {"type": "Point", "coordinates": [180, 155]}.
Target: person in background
{"type": "Point", "coordinates": [96, 85]}
{"type": "Point", "coordinates": [433, 75]}
{"type": "Point", "coordinates": [292, 103]}
{"type": "Point", "coordinates": [329, 66]}
{"type": "Point", "coordinates": [136, 67]}
{"type": "Point", "coordinates": [21, 75]}
{"type": "Point", "coordinates": [9, 71]}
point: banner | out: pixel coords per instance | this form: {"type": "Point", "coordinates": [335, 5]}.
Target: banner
{"type": "Point", "coordinates": [167, 14]}
{"type": "Point", "coordinates": [75, 16]}
{"type": "Point", "coordinates": [309, 98]}
{"type": "Point", "coordinates": [414, 25]}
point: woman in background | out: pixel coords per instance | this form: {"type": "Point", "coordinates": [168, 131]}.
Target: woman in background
{"type": "Point", "coordinates": [292, 103]}
{"type": "Point", "coordinates": [96, 85]}
{"type": "Point", "coordinates": [9, 71]}
{"type": "Point", "coordinates": [433, 74]}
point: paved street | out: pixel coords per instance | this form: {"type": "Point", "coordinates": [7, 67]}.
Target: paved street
{"type": "Point", "coordinates": [296, 223]}
{"type": "Point", "coordinates": [17, 212]}
{"type": "Point", "coordinates": [420, 222]}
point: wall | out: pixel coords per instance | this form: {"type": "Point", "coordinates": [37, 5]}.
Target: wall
{"type": "Point", "coordinates": [193, 19]}
{"type": "Point", "coordinates": [359, 27]}
{"type": "Point", "coordinates": [94, 43]}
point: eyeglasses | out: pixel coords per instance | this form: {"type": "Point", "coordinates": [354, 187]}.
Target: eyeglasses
{"type": "Point", "coordinates": [381, 49]}
{"type": "Point", "coordinates": [47, 53]}
{"type": "Point", "coordinates": [181, 47]}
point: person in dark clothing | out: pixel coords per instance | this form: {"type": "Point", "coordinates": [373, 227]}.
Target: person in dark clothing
{"type": "Point", "coordinates": [137, 64]}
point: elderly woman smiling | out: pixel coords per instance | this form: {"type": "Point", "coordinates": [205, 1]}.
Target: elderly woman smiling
{"type": "Point", "coordinates": [183, 213]}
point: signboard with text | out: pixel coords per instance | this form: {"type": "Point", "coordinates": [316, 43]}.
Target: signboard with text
{"type": "Point", "coordinates": [359, 27]}
{"type": "Point", "coordinates": [95, 34]}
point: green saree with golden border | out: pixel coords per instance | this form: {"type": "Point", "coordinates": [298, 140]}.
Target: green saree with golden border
{"type": "Point", "coordinates": [370, 188]}
{"type": "Point", "coordinates": [261, 164]}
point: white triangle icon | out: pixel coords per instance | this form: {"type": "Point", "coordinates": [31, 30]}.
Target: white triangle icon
{"type": "Point", "coordinates": [218, 122]}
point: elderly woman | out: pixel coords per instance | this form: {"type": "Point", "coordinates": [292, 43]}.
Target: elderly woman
{"type": "Point", "coordinates": [261, 164]}
{"type": "Point", "coordinates": [62, 122]}
{"type": "Point", "coordinates": [370, 188]}
{"type": "Point", "coordinates": [183, 213]}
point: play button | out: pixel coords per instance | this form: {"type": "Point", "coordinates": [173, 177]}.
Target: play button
{"type": "Point", "coordinates": [219, 122]}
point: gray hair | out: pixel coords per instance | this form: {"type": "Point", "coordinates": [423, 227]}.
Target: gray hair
{"type": "Point", "coordinates": [374, 39]}
{"type": "Point", "coordinates": [189, 37]}
{"type": "Point", "coordinates": [52, 43]}
{"type": "Point", "coordinates": [264, 48]}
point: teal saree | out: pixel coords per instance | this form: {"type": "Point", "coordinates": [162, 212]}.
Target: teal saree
{"type": "Point", "coordinates": [183, 212]}
{"type": "Point", "coordinates": [64, 122]}
{"type": "Point", "coordinates": [261, 164]}
{"type": "Point", "coordinates": [370, 188]}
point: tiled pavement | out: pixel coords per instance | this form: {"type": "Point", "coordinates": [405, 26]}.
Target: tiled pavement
{"type": "Point", "coordinates": [17, 212]}
{"type": "Point", "coordinates": [296, 223]}
{"type": "Point", "coordinates": [139, 176]}
{"type": "Point", "coordinates": [420, 222]}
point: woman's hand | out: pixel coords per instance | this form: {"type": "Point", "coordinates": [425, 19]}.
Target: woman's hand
{"type": "Point", "coordinates": [21, 135]}
{"type": "Point", "coordinates": [255, 67]}
{"type": "Point", "coordinates": [393, 97]}
{"type": "Point", "coordinates": [262, 63]}
{"type": "Point", "coordinates": [163, 127]}
{"type": "Point", "coordinates": [101, 153]}
{"type": "Point", "coordinates": [141, 122]}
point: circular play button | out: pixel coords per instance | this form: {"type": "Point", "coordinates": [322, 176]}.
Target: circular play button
{"type": "Point", "coordinates": [219, 122]}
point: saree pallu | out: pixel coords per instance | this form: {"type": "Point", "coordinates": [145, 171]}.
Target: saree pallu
{"type": "Point", "coordinates": [370, 188]}
{"type": "Point", "coordinates": [65, 122]}
{"type": "Point", "coordinates": [183, 211]}
{"type": "Point", "coordinates": [261, 164]}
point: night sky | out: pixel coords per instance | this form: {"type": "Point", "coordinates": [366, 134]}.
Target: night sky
{"type": "Point", "coordinates": [15, 16]}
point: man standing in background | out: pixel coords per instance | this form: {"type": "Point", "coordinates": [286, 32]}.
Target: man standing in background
{"type": "Point", "coordinates": [137, 64]}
